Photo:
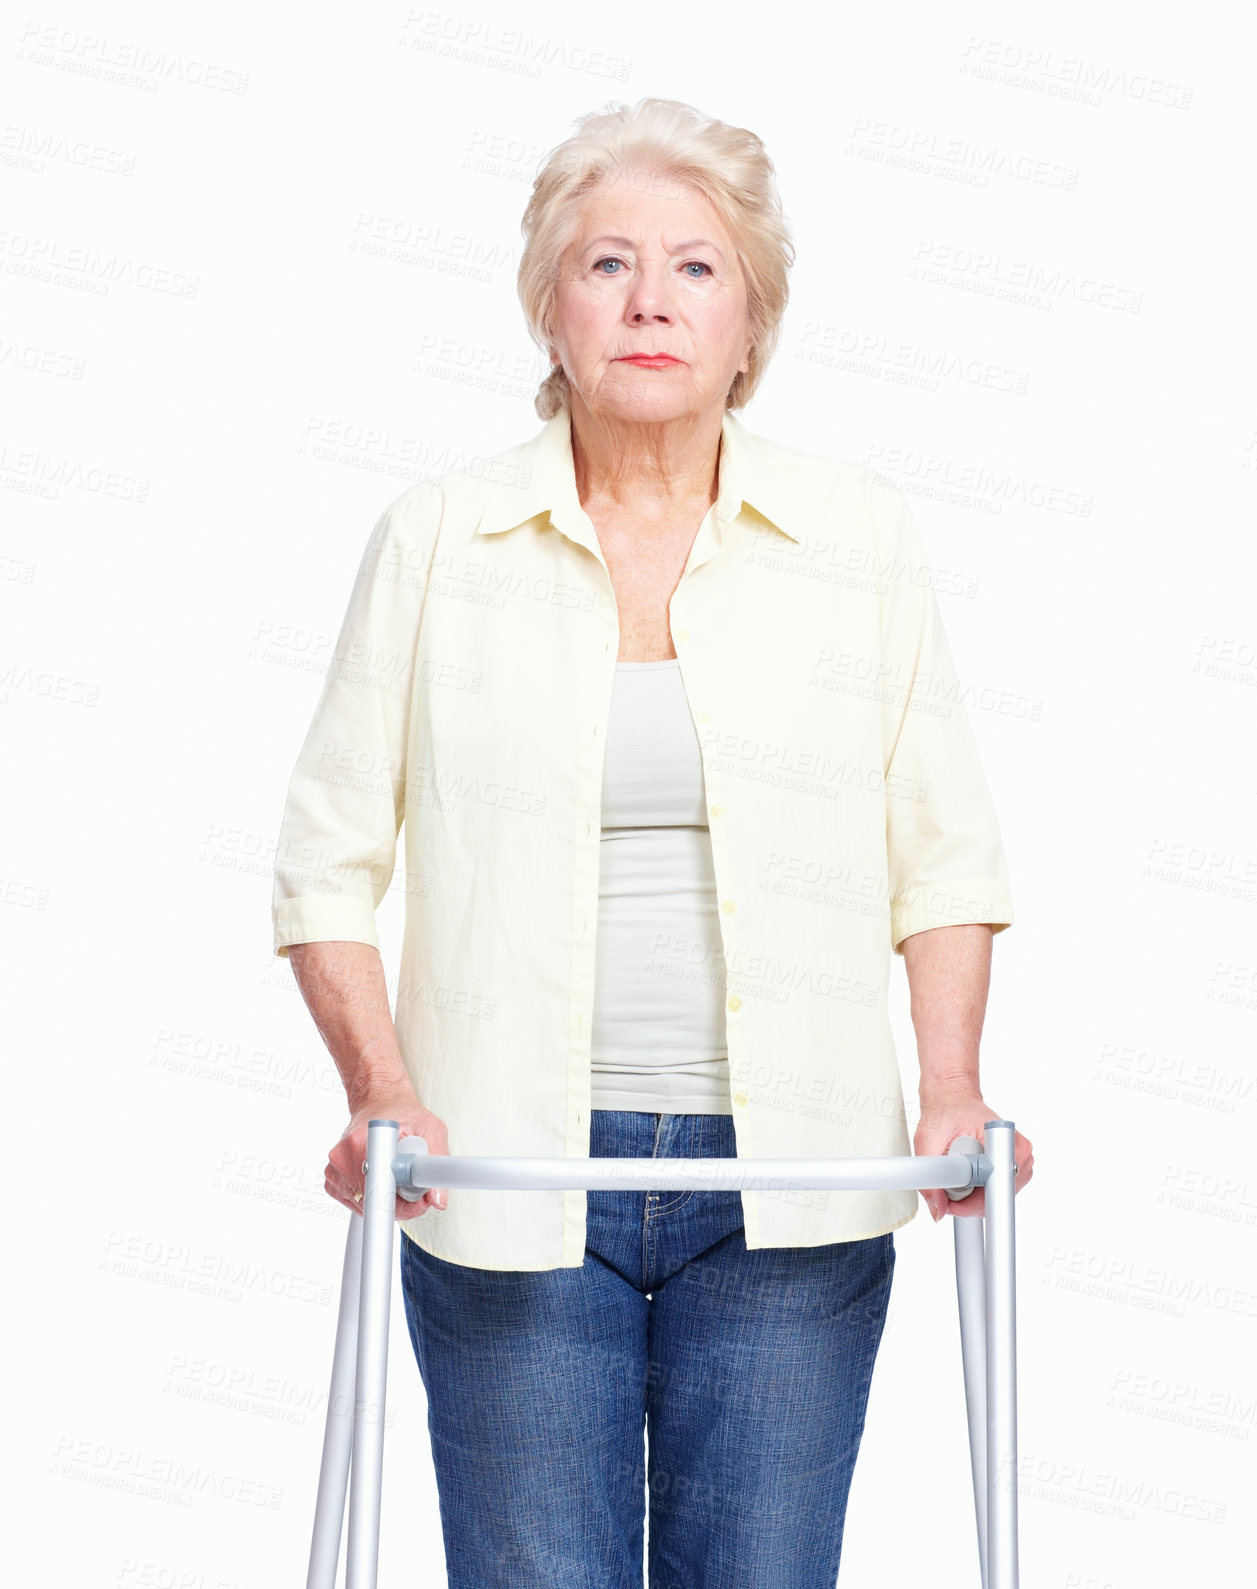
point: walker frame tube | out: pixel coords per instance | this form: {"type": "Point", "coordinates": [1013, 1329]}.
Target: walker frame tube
{"type": "Point", "coordinates": [353, 1436]}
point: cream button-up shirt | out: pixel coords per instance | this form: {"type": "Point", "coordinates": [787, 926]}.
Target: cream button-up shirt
{"type": "Point", "coordinates": [467, 707]}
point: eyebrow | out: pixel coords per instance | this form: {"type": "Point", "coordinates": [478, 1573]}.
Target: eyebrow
{"type": "Point", "coordinates": [627, 242]}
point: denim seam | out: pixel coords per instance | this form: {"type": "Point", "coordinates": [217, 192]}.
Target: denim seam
{"type": "Point", "coordinates": [679, 1202]}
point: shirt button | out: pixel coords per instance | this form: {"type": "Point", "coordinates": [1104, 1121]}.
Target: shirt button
{"type": "Point", "coordinates": [704, 717]}
{"type": "Point", "coordinates": [717, 810]}
{"type": "Point", "coordinates": [735, 1003]}
{"type": "Point", "coordinates": [682, 634]}
{"type": "Point", "coordinates": [728, 907]}
{"type": "Point", "coordinates": [739, 1097]}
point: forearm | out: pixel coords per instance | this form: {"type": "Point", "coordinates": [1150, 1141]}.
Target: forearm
{"type": "Point", "coordinates": [344, 988]}
{"type": "Point", "coordinates": [949, 976]}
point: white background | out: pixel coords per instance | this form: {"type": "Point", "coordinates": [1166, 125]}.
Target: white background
{"type": "Point", "coordinates": [212, 388]}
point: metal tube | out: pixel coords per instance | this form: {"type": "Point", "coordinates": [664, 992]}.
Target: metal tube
{"type": "Point", "coordinates": [366, 1471]}
{"type": "Point", "coordinates": [955, 1171]}
{"type": "Point", "coordinates": [971, 1300]}
{"type": "Point", "coordinates": [1001, 1358]}
{"type": "Point", "coordinates": [338, 1427]}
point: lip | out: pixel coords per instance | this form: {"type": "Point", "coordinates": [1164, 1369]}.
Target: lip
{"type": "Point", "coordinates": [653, 360]}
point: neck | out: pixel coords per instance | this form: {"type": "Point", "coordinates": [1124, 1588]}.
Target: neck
{"type": "Point", "coordinates": [651, 467]}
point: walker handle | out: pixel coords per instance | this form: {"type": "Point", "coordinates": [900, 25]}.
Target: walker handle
{"type": "Point", "coordinates": [963, 1145]}
{"type": "Point", "coordinates": [401, 1173]}
{"type": "Point", "coordinates": [411, 1146]}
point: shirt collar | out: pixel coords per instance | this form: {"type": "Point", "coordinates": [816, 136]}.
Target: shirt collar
{"type": "Point", "coordinates": [539, 477]}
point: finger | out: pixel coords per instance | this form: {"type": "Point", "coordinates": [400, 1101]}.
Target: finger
{"type": "Point", "coordinates": [339, 1187]}
{"type": "Point", "coordinates": [407, 1210]}
{"type": "Point", "coordinates": [347, 1202]}
{"type": "Point", "coordinates": [346, 1160]}
{"type": "Point", "coordinates": [432, 1198]}
{"type": "Point", "coordinates": [340, 1184]}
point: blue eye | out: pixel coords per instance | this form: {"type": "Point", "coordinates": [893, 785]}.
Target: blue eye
{"type": "Point", "coordinates": [610, 259]}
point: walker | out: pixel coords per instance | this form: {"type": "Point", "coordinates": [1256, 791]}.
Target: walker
{"type": "Point", "coordinates": [985, 1287]}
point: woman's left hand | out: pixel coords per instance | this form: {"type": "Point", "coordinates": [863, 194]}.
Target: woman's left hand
{"type": "Point", "coordinates": [964, 1115]}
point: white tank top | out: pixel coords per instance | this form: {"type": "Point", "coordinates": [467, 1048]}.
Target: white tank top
{"type": "Point", "coordinates": [659, 984]}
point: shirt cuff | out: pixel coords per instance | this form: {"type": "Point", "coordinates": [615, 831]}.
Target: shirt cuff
{"type": "Point", "coordinates": [323, 918]}
{"type": "Point", "coordinates": [958, 902]}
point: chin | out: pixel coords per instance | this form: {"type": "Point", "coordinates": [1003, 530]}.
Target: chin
{"type": "Point", "coordinates": [633, 399]}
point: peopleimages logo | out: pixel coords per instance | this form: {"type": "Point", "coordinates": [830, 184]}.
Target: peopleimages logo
{"type": "Point", "coordinates": [484, 43]}
{"type": "Point", "coordinates": [70, 265]}
{"type": "Point", "coordinates": [128, 62]}
{"type": "Point", "coordinates": [218, 1274]}
{"type": "Point", "coordinates": [1065, 76]}
{"type": "Point", "coordinates": [958, 159]}
{"type": "Point", "coordinates": [163, 1478]}
{"type": "Point", "coordinates": [921, 471]}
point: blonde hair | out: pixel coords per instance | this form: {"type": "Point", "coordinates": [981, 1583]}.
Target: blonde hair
{"type": "Point", "coordinates": [728, 165]}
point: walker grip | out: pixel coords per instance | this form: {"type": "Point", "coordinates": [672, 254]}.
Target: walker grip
{"type": "Point", "coordinates": [963, 1145]}
{"type": "Point", "coordinates": [403, 1167]}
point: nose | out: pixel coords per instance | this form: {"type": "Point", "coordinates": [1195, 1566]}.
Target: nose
{"type": "Point", "coordinates": [649, 300]}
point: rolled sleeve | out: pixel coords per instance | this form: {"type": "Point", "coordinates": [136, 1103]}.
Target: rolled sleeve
{"type": "Point", "coordinates": [945, 854]}
{"type": "Point", "coordinates": [337, 846]}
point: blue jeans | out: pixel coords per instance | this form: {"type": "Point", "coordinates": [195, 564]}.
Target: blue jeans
{"type": "Point", "coordinates": [749, 1371]}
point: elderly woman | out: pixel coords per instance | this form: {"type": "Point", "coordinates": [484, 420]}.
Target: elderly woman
{"type": "Point", "coordinates": [671, 721]}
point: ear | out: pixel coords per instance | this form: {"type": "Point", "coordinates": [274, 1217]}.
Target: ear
{"type": "Point", "coordinates": [744, 368]}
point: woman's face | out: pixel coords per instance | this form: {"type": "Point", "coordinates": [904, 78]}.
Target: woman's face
{"type": "Point", "coordinates": [650, 270]}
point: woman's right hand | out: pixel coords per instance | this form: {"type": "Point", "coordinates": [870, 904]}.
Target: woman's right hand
{"type": "Point", "coordinates": [343, 1176]}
